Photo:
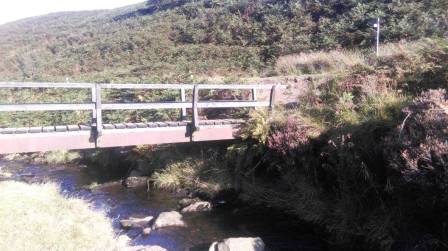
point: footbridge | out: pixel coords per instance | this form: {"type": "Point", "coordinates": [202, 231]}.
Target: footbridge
{"type": "Point", "coordinates": [96, 134]}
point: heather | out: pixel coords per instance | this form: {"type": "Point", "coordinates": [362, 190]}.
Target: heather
{"type": "Point", "coordinates": [363, 154]}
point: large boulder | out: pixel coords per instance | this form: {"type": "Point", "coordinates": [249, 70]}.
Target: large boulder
{"type": "Point", "coordinates": [169, 219]}
{"type": "Point", "coordinates": [200, 206]}
{"type": "Point", "coordinates": [133, 222]}
{"type": "Point", "coordinates": [238, 244]}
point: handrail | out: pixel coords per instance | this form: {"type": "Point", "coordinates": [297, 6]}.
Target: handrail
{"type": "Point", "coordinates": [96, 105]}
{"type": "Point", "coordinates": [135, 86]}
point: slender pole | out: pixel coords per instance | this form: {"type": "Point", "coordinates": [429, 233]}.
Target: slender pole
{"type": "Point", "coordinates": [378, 37]}
{"type": "Point", "coordinates": [195, 108]}
{"type": "Point", "coordinates": [183, 98]}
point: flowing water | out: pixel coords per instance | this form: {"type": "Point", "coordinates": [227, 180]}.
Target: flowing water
{"type": "Point", "coordinates": [277, 231]}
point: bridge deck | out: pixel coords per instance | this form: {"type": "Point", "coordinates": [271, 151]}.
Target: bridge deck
{"type": "Point", "coordinates": [70, 137]}
{"type": "Point", "coordinates": [119, 126]}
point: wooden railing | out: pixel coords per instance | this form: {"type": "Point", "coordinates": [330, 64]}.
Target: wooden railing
{"type": "Point", "coordinates": [97, 106]}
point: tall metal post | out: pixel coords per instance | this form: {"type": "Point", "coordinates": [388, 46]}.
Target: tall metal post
{"type": "Point", "coordinates": [377, 25]}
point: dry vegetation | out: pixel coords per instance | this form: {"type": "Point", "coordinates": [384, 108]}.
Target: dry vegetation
{"type": "Point", "coordinates": [319, 62]}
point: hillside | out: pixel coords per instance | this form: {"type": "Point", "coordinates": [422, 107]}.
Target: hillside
{"type": "Point", "coordinates": [363, 153]}
{"type": "Point", "coordinates": [189, 41]}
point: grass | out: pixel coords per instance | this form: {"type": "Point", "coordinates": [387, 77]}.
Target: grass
{"type": "Point", "coordinates": [195, 174]}
{"type": "Point", "coordinates": [319, 62]}
{"type": "Point", "coordinates": [60, 157]}
{"type": "Point", "coordinates": [38, 217]}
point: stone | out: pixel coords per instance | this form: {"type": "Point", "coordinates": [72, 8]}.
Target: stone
{"type": "Point", "coordinates": [187, 201]}
{"type": "Point", "coordinates": [169, 219]}
{"type": "Point", "coordinates": [201, 206]}
{"type": "Point", "coordinates": [123, 242]}
{"type": "Point", "coordinates": [134, 222]}
{"type": "Point", "coordinates": [238, 244]}
{"type": "Point", "coordinates": [147, 231]}
{"type": "Point", "coordinates": [132, 182]}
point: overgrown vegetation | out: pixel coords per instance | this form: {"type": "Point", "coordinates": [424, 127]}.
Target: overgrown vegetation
{"type": "Point", "coordinates": [38, 217]}
{"type": "Point", "coordinates": [364, 155]}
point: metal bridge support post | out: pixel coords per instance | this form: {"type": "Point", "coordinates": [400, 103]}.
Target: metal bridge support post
{"type": "Point", "coordinates": [195, 108]}
{"type": "Point", "coordinates": [272, 98]}
{"type": "Point", "coordinates": [254, 94]}
{"type": "Point", "coordinates": [98, 112]}
{"type": "Point", "coordinates": [183, 114]}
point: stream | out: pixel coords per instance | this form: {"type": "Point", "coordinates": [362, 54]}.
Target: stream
{"type": "Point", "coordinates": [277, 231]}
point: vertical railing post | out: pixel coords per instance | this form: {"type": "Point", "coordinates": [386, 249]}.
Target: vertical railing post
{"type": "Point", "coordinates": [99, 113]}
{"type": "Point", "coordinates": [195, 108]}
{"type": "Point", "coordinates": [183, 112]}
{"type": "Point", "coordinates": [272, 98]}
{"type": "Point", "coordinates": [94, 115]}
{"type": "Point", "coordinates": [254, 94]}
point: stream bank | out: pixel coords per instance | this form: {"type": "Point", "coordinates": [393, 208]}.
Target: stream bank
{"type": "Point", "coordinates": [278, 231]}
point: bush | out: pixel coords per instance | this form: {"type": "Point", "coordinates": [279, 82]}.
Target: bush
{"type": "Point", "coordinates": [287, 136]}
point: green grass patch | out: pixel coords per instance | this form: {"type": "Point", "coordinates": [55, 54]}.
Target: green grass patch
{"type": "Point", "coordinates": [38, 217]}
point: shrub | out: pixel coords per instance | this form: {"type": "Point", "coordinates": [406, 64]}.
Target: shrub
{"type": "Point", "coordinates": [257, 126]}
{"type": "Point", "coordinates": [288, 136]}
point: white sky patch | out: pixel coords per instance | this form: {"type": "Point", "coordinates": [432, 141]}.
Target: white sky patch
{"type": "Point", "coordinates": [12, 10]}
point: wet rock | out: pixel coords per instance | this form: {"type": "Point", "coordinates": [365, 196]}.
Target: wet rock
{"type": "Point", "coordinates": [187, 201]}
{"type": "Point", "coordinates": [201, 206]}
{"type": "Point", "coordinates": [133, 222]}
{"type": "Point", "coordinates": [98, 187]}
{"type": "Point", "coordinates": [169, 219]}
{"type": "Point", "coordinates": [132, 182]}
{"type": "Point", "coordinates": [238, 244]}
{"type": "Point", "coordinates": [147, 231]}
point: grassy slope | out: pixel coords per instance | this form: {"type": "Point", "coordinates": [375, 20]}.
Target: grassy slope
{"type": "Point", "coordinates": [186, 40]}
{"type": "Point", "coordinates": [99, 46]}
{"type": "Point", "coordinates": [38, 217]}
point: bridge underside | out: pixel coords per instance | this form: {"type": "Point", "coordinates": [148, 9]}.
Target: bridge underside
{"type": "Point", "coordinates": [41, 139]}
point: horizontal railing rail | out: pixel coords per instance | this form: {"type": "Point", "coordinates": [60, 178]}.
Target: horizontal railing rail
{"type": "Point", "coordinates": [136, 86]}
{"type": "Point", "coordinates": [97, 106]}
